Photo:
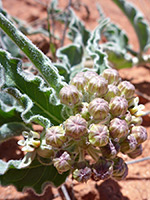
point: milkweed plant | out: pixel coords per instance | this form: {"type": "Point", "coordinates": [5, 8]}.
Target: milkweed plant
{"type": "Point", "coordinates": [90, 116]}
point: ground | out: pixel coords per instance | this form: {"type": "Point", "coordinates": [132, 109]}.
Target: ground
{"type": "Point", "coordinates": [136, 185]}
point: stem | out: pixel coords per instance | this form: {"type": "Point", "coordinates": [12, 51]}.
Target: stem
{"type": "Point", "coordinates": [64, 190]}
{"type": "Point", "coordinates": [36, 56]}
{"type": "Point", "coordinates": [94, 153]}
{"type": "Point", "coordinates": [138, 160]}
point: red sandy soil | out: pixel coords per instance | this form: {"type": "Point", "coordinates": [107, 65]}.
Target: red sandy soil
{"type": "Point", "coordinates": [137, 184]}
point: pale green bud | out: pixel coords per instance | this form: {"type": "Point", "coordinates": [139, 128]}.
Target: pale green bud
{"type": "Point", "coordinates": [98, 108]}
{"type": "Point", "coordinates": [111, 75]}
{"type": "Point", "coordinates": [98, 135]}
{"type": "Point", "coordinates": [55, 136]}
{"type": "Point", "coordinates": [63, 162]}
{"type": "Point", "coordinates": [97, 85]}
{"type": "Point", "coordinates": [112, 92]}
{"type": "Point", "coordinates": [127, 89]}
{"type": "Point", "coordinates": [82, 109]}
{"type": "Point", "coordinates": [128, 145]}
{"type": "Point", "coordinates": [118, 106]}
{"type": "Point", "coordinates": [70, 95]}
{"type": "Point", "coordinates": [118, 128]}
{"type": "Point", "coordinates": [75, 126]}
{"type": "Point", "coordinates": [120, 169]}
{"type": "Point", "coordinates": [80, 83]}
{"type": "Point", "coordinates": [44, 150]}
{"type": "Point", "coordinates": [89, 74]}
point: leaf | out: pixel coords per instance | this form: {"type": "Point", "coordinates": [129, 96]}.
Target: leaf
{"type": "Point", "coordinates": [39, 102]}
{"type": "Point", "coordinates": [137, 20]}
{"type": "Point", "coordinates": [95, 51]}
{"type": "Point", "coordinates": [38, 58]}
{"type": "Point", "coordinates": [10, 109]}
{"type": "Point", "coordinates": [36, 176]}
{"type": "Point", "coordinates": [11, 129]}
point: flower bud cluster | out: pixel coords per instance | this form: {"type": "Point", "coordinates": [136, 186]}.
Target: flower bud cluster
{"type": "Point", "coordinates": [105, 119]}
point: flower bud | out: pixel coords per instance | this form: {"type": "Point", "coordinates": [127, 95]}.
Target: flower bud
{"type": "Point", "coordinates": [112, 92]}
{"type": "Point", "coordinates": [111, 75]}
{"type": "Point", "coordinates": [62, 163]}
{"type": "Point", "coordinates": [45, 151]}
{"type": "Point", "coordinates": [79, 82]}
{"type": "Point", "coordinates": [102, 169]}
{"type": "Point", "coordinates": [120, 169]}
{"type": "Point", "coordinates": [111, 150]}
{"type": "Point", "coordinates": [127, 89]}
{"type": "Point", "coordinates": [75, 126]}
{"type": "Point", "coordinates": [118, 128]}
{"type": "Point", "coordinates": [55, 136]}
{"type": "Point", "coordinates": [99, 108]}
{"type": "Point", "coordinates": [98, 135]}
{"type": "Point", "coordinates": [70, 95]}
{"type": "Point", "coordinates": [137, 152]}
{"type": "Point", "coordinates": [89, 74]}
{"type": "Point", "coordinates": [127, 117]}
{"type": "Point", "coordinates": [82, 174]}
{"type": "Point", "coordinates": [82, 109]}
{"type": "Point", "coordinates": [98, 86]}
{"type": "Point", "coordinates": [118, 106]}
{"type": "Point", "coordinates": [140, 133]}
{"type": "Point", "coordinates": [128, 145]}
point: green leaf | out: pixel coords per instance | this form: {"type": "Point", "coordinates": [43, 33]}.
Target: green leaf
{"type": "Point", "coordinates": [11, 129]}
{"type": "Point", "coordinates": [137, 20]}
{"type": "Point", "coordinates": [36, 176]}
{"type": "Point", "coordinates": [42, 63]}
{"type": "Point", "coordinates": [95, 51]}
{"type": "Point", "coordinates": [10, 109]}
{"type": "Point", "coordinates": [39, 102]}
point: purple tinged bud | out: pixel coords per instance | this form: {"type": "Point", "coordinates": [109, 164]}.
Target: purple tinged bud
{"type": "Point", "coordinates": [102, 169]}
{"type": "Point", "coordinates": [111, 75]}
{"type": "Point", "coordinates": [128, 145]}
{"type": "Point", "coordinates": [118, 128]}
{"type": "Point", "coordinates": [120, 169]}
{"type": "Point", "coordinates": [82, 109]}
{"type": "Point", "coordinates": [80, 83]}
{"type": "Point", "coordinates": [82, 174]}
{"type": "Point", "coordinates": [111, 150]}
{"type": "Point", "coordinates": [127, 89]}
{"type": "Point", "coordinates": [98, 135]}
{"type": "Point", "coordinates": [140, 133]}
{"type": "Point", "coordinates": [97, 85]}
{"type": "Point", "coordinates": [70, 95]}
{"type": "Point", "coordinates": [118, 106]}
{"type": "Point", "coordinates": [62, 163]}
{"type": "Point", "coordinates": [112, 92]}
{"type": "Point", "coordinates": [137, 152]}
{"type": "Point", "coordinates": [89, 74]}
{"type": "Point", "coordinates": [99, 109]}
{"type": "Point", "coordinates": [75, 126]}
{"type": "Point", "coordinates": [55, 136]}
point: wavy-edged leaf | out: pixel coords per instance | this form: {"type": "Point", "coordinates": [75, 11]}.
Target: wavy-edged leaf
{"type": "Point", "coordinates": [94, 49]}
{"type": "Point", "coordinates": [10, 109]}
{"type": "Point", "coordinates": [36, 176]}
{"type": "Point", "coordinates": [39, 101]}
{"type": "Point", "coordinates": [11, 129]}
{"type": "Point", "coordinates": [38, 58]}
{"type": "Point", "coordinates": [137, 20]}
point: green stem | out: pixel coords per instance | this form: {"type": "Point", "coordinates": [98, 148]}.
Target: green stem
{"type": "Point", "coordinates": [36, 56]}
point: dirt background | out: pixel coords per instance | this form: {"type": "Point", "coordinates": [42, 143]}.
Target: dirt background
{"type": "Point", "coordinates": [137, 184]}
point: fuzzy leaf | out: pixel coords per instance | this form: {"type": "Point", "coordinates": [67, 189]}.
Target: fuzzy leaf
{"type": "Point", "coordinates": [36, 176]}
{"type": "Point", "coordinates": [11, 129]}
{"type": "Point", "coordinates": [38, 58]}
{"type": "Point", "coordinates": [137, 20]}
{"type": "Point", "coordinates": [94, 49]}
{"type": "Point", "coordinates": [39, 102]}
